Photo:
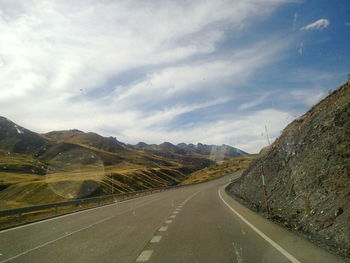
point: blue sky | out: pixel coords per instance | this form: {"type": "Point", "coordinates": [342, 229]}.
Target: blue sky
{"type": "Point", "coordinates": [181, 71]}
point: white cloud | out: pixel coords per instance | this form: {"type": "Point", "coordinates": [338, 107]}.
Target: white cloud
{"type": "Point", "coordinates": [209, 77]}
{"type": "Point", "coordinates": [241, 131]}
{"type": "Point", "coordinates": [317, 25]}
{"type": "Point", "coordinates": [52, 50]}
{"type": "Point", "coordinates": [252, 103]}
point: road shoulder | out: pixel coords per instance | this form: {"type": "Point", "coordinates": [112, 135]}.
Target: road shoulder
{"type": "Point", "coordinates": [291, 245]}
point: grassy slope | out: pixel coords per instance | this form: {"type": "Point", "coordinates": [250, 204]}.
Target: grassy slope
{"type": "Point", "coordinates": [220, 169]}
{"type": "Point", "coordinates": [23, 181]}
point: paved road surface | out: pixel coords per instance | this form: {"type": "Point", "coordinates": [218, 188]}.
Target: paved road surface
{"type": "Point", "coordinates": [198, 223]}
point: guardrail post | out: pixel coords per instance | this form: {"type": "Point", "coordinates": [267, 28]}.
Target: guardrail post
{"type": "Point", "coordinates": [19, 218]}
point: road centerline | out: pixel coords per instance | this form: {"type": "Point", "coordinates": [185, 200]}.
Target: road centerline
{"type": "Point", "coordinates": [163, 229]}
{"type": "Point", "coordinates": [144, 256]}
{"type": "Point", "coordinates": [156, 239]}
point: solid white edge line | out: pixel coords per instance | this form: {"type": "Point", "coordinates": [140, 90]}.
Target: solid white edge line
{"type": "Point", "coordinates": [273, 243]}
{"type": "Point", "coordinates": [54, 240]}
{"type": "Point", "coordinates": [76, 231]}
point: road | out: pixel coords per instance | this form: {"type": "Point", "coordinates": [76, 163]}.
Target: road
{"type": "Point", "coordinates": [198, 223]}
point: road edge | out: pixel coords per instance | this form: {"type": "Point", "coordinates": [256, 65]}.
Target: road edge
{"type": "Point", "coordinates": [284, 252]}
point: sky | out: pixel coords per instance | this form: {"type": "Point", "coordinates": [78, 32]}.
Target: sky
{"type": "Point", "coordinates": [215, 72]}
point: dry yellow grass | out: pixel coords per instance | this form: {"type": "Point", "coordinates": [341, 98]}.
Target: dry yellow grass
{"type": "Point", "coordinates": [220, 169]}
{"type": "Point", "coordinates": [25, 189]}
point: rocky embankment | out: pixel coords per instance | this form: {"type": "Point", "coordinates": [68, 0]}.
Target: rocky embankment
{"type": "Point", "coordinates": [307, 175]}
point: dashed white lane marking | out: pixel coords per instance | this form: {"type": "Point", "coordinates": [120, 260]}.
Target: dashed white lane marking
{"type": "Point", "coordinates": [273, 243]}
{"type": "Point", "coordinates": [156, 239]}
{"type": "Point", "coordinates": [144, 256]}
{"type": "Point", "coordinates": [163, 228]}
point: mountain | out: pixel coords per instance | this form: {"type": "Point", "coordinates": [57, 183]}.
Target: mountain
{"type": "Point", "coordinates": [61, 165]}
{"type": "Point", "coordinates": [191, 161]}
{"type": "Point", "coordinates": [14, 138]}
{"type": "Point", "coordinates": [91, 139]}
{"type": "Point", "coordinates": [307, 174]}
{"type": "Point", "coordinates": [213, 151]}
{"type": "Point", "coordinates": [219, 169]}
{"type": "Point", "coordinates": [163, 147]}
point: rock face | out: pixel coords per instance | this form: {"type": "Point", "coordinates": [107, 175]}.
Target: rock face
{"type": "Point", "coordinates": [308, 174]}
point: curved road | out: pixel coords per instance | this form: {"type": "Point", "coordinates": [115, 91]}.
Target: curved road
{"type": "Point", "coordinates": [198, 223]}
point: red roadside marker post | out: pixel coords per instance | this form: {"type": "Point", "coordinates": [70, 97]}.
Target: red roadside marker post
{"type": "Point", "coordinates": [262, 174]}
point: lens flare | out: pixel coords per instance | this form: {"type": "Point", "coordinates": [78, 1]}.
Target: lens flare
{"type": "Point", "coordinates": [75, 173]}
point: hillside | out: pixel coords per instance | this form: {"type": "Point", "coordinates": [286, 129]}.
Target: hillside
{"type": "Point", "coordinates": [108, 144]}
{"type": "Point", "coordinates": [215, 151]}
{"type": "Point", "coordinates": [61, 165]}
{"type": "Point", "coordinates": [220, 169]}
{"type": "Point", "coordinates": [212, 152]}
{"type": "Point", "coordinates": [14, 138]}
{"type": "Point", "coordinates": [307, 174]}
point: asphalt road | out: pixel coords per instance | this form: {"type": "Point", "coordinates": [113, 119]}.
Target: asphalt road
{"type": "Point", "coordinates": [197, 223]}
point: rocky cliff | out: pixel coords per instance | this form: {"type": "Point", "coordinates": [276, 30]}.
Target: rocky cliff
{"type": "Point", "coordinates": [308, 174]}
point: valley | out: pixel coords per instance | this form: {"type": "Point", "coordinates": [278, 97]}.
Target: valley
{"type": "Point", "coordinates": [64, 165]}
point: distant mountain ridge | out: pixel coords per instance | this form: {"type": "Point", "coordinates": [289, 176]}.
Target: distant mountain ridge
{"type": "Point", "coordinates": [27, 160]}
{"type": "Point", "coordinates": [16, 138]}
{"type": "Point", "coordinates": [109, 144]}
{"type": "Point", "coordinates": [212, 149]}
{"type": "Point", "coordinates": [182, 148]}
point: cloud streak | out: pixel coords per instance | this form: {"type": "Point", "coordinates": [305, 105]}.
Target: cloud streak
{"type": "Point", "coordinates": [317, 25]}
{"type": "Point", "coordinates": [71, 64]}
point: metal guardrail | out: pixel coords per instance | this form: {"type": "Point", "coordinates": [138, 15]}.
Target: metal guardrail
{"type": "Point", "coordinates": [79, 203]}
